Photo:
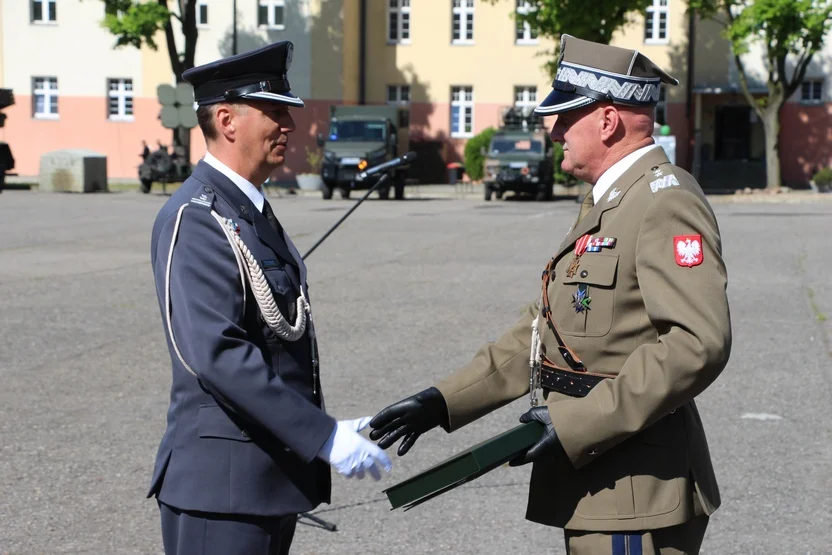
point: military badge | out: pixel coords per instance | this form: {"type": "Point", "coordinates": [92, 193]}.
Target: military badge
{"type": "Point", "coordinates": [614, 193]}
{"type": "Point", "coordinates": [597, 243]}
{"type": "Point", "coordinates": [580, 300]}
{"type": "Point", "coordinates": [580, 247]}
{"type": "Point", "coordinates": [688, 249]}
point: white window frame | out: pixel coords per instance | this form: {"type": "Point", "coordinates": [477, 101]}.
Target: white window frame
{"type": "Point", "coordinates": [659, 9]}
{"type": "Point", "coordinates": [525, 7]}
{"type": "Point", "coordinates": [398, 94]}
{"type": "Point", "coordinates": [525, 98]}
{"type": "Point", "coordinates": [48, 89]}
{"type": "Point", "coordinates": [271, 9]}
{"type": "Point", "coordinates": [661, 107]}
{"type": "Point", "coordinates": [121, 93]}
{"type": "Point", "coordinates": [199, 22]}
{"type": "Point", "coordinates": [462, 97]}
{"type": "Point", "coordinates": [812, 83]}
{"type": "Point", "coordinates": [401, 9]}
{"type": "Point", "coordinates": [463, 10]}
{"type": "Point", "coordinates": [47, 8]}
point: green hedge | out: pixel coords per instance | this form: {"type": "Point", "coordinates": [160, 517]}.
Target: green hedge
{"type": "Point", "coordinates": [474, 161]}
{"type": "Point", "coordinates": [561, 176]}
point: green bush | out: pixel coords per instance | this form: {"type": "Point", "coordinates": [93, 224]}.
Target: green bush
{"type": "Point", "coordinates": [561, 176]}
{"type": "Point", "coordinates": [474, 161]}
{"type": "Point", "coordinates": [823, 179]}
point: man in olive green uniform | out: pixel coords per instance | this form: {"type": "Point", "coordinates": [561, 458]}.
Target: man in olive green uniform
{"type": "Point", "coordinates": [631, 325]}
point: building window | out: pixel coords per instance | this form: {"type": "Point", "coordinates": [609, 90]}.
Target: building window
{"type": "Point", "coordinates": [270, 13]}
{"type": "Point", "coordinates": [525, 99]}
{"type": "Point", "coordinates": [398, 21]}
{"type": "Point", "coordinates": [655, 22]}
{"type": "Point", "coordinates": [811, 90]}
{"type": "Point", "coordinates": [45, 95]}
{"type": "Point", "coordinates": [463, 21]}
{"type": "Point", "coordinates": [398, 94]}
{"type": "Point", "coordinates": [44, 11]}
{"type": "Point", "coordinates": [462, 111]}
{"type": "Point", "coordinates": [120, 96]}
{"type": "Point", "coordinates": [202, 13]}
{"type": "Point", "coordinates": [661, 107]}
{"type": "Point", "coordinates": [525, 33]}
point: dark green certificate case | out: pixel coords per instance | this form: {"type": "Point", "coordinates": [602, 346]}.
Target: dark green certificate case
{"type": "Point", "coordinates": [464, 467]}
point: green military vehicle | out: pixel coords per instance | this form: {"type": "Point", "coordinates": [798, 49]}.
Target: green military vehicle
{"type": "Point", "coordinates": [359, 138]}
{"type": "Point", "coordinates": [519, 158]}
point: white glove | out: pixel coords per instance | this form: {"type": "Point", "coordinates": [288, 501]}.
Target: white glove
{"type": "Point", "coordinates": [350, 453]}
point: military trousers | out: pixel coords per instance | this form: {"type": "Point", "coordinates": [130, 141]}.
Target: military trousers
{"type": "Point", "coordinates": [196, 533]}
{"type": "Point", "coordinates": [682, 539]}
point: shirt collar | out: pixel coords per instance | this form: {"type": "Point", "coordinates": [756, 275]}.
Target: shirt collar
{"type": "Point", "coordinates": [252, 192]}
{"type": "Point", "coordinates": [617, 170]}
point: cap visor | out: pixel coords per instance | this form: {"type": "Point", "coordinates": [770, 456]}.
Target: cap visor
{"type": "Point", "coordinates": [282, 98]}
{"type": "Point", "coordinates": [561, 101]}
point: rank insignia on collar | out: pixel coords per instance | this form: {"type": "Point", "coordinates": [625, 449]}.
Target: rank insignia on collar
{"type": "Point", "coordinates": [580, 300]}
{"type": "Point", "coordinates": [614, 193]}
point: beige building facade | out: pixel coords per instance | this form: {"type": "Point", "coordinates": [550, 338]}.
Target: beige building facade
{"type": "Point", "coordinates": [457, 63]}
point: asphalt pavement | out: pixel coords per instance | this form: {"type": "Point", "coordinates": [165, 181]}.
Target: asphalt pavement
{"type": "Point", "coordinates": [404, 292]}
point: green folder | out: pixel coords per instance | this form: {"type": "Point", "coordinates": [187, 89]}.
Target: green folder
{"type": "Point", "coordinates": [464, 467]}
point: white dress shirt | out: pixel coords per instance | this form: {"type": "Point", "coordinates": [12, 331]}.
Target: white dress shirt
{"type": "Point", "coordinates": [617, 170]}
{"type": "Point", "coordinates": [248, 189]}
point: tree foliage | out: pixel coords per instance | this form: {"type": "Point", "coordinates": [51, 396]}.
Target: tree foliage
{"type": "Point", "coordinates": [790, 32]}
{"type": "Point", "coordinates": [135, 23]}
{"type": "Point", "coordinates": [595, 20]}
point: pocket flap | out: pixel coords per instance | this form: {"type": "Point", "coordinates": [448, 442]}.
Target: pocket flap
{"type": "Point", "coordinates": [213, 422]}
{"type": "Point", "coordinates": [595, 269]}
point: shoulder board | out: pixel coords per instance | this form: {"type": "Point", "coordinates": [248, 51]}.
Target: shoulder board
{"type": "Point", "coordinates": [659, 180]}
{"type": "Point", "coordinates": [203, 198]}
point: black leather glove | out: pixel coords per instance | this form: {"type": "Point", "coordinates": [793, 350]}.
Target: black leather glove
{"type": "Point", "coordinates": [547, 445]}
{"type": "Point", "coordinates": [409, 418]}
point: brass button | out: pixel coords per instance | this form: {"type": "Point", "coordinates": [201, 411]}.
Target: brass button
{"type": "Point", "coordinates": [584, 273]}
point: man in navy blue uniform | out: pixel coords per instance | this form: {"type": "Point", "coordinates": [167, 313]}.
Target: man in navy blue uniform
{"type": "Point", "coordinates": [248, 444]}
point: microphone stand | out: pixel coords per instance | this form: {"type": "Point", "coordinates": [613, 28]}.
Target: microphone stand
{"type": "Point", "coordinates": [381, 180]}
{"type": "Point", "coordinates": [323, 523]}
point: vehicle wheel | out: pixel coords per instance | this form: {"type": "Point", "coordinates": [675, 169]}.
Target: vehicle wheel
{"type": "Point", "coordinates": [326, 191]}
{"type": "Point", "coordinates": [498, 194]}
{"type": "Point", "coordinates": [488, 192]}
{"type": "Point", "coordinates": [384, 193]}
{"type": "Point", "coordinates": [146, 185]}
{"type": "Point", "coordinates": [345, 192]}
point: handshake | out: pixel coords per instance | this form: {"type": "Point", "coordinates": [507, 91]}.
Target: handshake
{"type": "Point", "coordinates": [352, 455]}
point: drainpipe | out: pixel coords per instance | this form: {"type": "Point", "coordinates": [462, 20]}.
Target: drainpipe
{"type": "Point", "coordinates": [691, 77]}
{"type": "Point", "coordinates": [362, 53]}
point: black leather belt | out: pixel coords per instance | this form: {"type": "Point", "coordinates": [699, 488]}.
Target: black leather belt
{"type": "Point", "coordinates": [574, 384]}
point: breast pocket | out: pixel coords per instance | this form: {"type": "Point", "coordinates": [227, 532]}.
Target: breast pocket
{"type": "Point", "coordinates": [588, 297]}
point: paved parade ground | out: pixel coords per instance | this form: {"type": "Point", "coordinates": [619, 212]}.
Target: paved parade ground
{"type": "Point", "coordinates": [403, 293]}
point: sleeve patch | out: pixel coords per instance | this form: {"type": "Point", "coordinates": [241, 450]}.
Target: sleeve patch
{"type": "Point", "coordinates": [688, 249]}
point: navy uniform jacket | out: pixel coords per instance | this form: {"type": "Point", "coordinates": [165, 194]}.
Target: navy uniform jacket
{"type": "Point", "coordinates": [243, 437]}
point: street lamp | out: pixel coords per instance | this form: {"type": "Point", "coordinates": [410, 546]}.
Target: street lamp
{"type": "Point", "coordinates": [234, 31]}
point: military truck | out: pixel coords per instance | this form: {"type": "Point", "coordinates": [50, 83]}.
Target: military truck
{"type": "Point", "coordinates": [359, 138]}
{"type": "Point", "coordinates": [519, 158]}
{"type": "Point", "coordinates": [162, 167]}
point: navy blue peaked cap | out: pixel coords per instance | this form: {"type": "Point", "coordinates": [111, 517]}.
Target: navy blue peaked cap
{"type": "Point", "coordinates": [259, 74]}
{"type": "Point", "coordinates": [589, 72]}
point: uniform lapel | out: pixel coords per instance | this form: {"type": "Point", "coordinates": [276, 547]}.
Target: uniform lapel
{"type": "Point", "coordinates": [248, 212]}
{"type": "Point", "coordinates": [592, 221]}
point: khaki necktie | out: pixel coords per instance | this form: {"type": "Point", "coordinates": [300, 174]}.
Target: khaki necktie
{"type": "Point", "coordinates": [586, 206]}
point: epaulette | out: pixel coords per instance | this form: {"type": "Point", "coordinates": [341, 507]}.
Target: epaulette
{"type": "Point", "coordinates": [204, 198]}
{"type": "Point", "coordinates": [662, 180]}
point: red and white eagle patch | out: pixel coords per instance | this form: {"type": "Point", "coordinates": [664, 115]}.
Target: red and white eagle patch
{"type": "Point", "coordinates": [688, 249]}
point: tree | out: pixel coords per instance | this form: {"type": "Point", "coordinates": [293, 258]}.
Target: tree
{"type": "Point", "coordinates": [136, 23]}
{"type": "Point", "coordinates": [790, 32]}
{"type": "Point", "coordinates": [595, 20]}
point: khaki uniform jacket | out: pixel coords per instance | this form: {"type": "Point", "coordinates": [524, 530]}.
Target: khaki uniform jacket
{"type": "Point", "coordinates": [659, 322]}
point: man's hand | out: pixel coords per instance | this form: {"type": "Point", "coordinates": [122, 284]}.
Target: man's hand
{"type": "Point", "coordinates": [409, 418]}
{"type": "Point", "coordinates": [547, 445]}
{"type": "Point", "coordinates": [350, 454]}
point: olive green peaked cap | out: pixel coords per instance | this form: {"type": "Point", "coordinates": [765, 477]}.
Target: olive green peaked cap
{"type": "Point", "coordinates": [590, 71]}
